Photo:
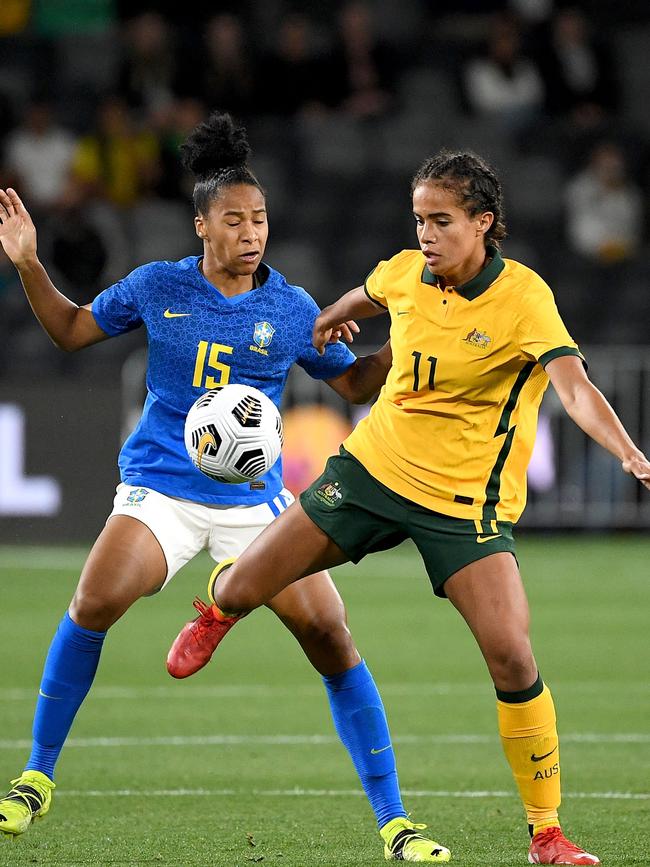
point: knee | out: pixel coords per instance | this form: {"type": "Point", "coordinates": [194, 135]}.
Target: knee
{"type": "Point", "coordinates": [512, 666]}
{"type": "Point", "coordinates": [327, 632]}
{"type": "Point", "coordinates": [235, 596]}
{"type": "Point", "coordinates": [94, 611]}
{"type": "Point", "coordinates": [327, 642]}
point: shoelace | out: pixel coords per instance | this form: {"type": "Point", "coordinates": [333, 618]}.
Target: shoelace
{"type": "Point", "coordinates": [553, 835]}
{"type": "Point", "coordinates": [33, 793]}
{"type": "Point", "coordinates": [405, 836]}
{"type": "Point", "coordinates": [203, 609]}
{"type": "Point", "coordinates": [205, 622]}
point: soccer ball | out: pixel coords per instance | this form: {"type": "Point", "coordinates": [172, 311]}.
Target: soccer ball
{"type": "Point", "coordinates": [233, 433]}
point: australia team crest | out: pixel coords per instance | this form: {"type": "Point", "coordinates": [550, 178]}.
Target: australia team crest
{"type": "Point", "coordinates": [329, 494]}
{"type": "Point", "coordinates": [478, 339]}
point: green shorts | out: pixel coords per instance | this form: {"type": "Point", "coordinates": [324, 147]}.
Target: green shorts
{"type": "Point", "coordinates": [362, 516]}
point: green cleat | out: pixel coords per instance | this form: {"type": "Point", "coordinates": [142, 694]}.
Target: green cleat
{"type": "Point", "coordinates": [404, 843]}
{"type": "Point", "coordinates": [29, 798]}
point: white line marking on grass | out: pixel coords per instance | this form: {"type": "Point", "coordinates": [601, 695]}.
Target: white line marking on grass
{"type": "Point", "coordinates": [328, 793]}
{"type": "Point", "coordinates": [240, 690]}
{"type": "Point", "coordinates": [313, 740]}
{"type": "Point", "coordinates": [185, 692]}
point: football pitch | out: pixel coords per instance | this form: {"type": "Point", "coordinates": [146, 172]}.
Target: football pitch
{"type": "Point", "coordinates": [240, 764]}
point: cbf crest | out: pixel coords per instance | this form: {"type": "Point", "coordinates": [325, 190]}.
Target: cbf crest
{"type": "Point", "coordinates": [136, 496]}
{"type": "Point", "coordinates": [262, 335]}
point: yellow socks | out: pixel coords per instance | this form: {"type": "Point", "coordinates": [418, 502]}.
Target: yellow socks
{"type": "Point", "coordinates": [530, 742]}
{"type": "Point", "coordinates": [212, 580]}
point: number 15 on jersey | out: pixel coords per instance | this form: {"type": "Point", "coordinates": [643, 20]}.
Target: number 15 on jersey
{"type": "Point", "coordinates": [207, 360]}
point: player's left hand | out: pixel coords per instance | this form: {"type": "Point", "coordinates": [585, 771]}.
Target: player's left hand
{"type": "Point", "coordinates": [639, 467]}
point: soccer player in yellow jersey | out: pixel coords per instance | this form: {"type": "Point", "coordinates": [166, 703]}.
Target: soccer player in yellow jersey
{"type": "Point", "coordinates": [442, 459]}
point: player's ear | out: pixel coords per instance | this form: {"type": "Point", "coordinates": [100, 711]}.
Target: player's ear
{"type": "Point", "coordinates": [199, 226]}
{"type": "Point", "coordinates": [483, 222]}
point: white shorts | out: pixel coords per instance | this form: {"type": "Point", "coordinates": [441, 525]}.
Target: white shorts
{"type": "Point", "coordinates": [184, 528]}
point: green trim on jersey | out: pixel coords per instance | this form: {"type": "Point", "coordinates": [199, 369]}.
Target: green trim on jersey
{"type": "Point", "coordinates": [374, 300]}
{"type": "Point", "coordinates": [558, 353]}
{"type": "Point", "coordinates": [365, 289]}
{"type": "Point", "coordinates": [477, 285]}
{"type": "Point", "coordinates": [513, 397]}
{"type": "Point", "coordinates": [493, 487]}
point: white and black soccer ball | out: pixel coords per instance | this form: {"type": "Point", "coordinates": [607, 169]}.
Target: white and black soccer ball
{"type": "Point", "coordinates": [233, 433]}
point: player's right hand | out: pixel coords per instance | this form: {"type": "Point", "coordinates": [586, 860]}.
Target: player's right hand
{"type": "Point", "coordinates": [17, 232]}
{"type": "Point", "coordinates": [324, 334]}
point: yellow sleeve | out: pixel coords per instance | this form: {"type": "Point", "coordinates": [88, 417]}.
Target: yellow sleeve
{"type": "Point", "coordinates": [373, 285]}
{"type": "Point", "coordinates": [541, 332]}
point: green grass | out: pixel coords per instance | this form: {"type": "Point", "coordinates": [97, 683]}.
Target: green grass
{"type": "Point", "coordinates": [240, 765]}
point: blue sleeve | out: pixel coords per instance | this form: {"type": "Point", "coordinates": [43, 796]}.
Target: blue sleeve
{"type": "Point", "coordinates": [335, 361]}
{"type": "Point", "coordinates": [119, 307]}
{"type": "Point", "coordinates": [337, 356]}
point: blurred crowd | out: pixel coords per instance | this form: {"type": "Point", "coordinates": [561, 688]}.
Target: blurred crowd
{"type": "Point", "coordinates": [342, 102]}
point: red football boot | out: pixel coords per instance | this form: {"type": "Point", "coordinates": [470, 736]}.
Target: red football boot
{"type": "Point", "coordinates": [198, 640]}
{"type": "Point", "coordinates": [550, 846]}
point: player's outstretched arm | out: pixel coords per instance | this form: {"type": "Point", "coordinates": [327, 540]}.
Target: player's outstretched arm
{"type": "Point", "coordinates": [69, 326]}
{"type": "Point", "coordinates": [362, 380]}
{"type": "Point", "coordinates": [591, 411]}
{"type": "Point", "coordinates": [337, 320]}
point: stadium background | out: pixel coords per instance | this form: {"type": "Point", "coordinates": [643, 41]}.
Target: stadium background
{"type": "Point", "coordinates": [342, 102]}
{"type": "Point", "coordinates": [240, 763]}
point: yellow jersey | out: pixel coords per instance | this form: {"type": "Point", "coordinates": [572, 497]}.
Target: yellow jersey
{"type": "Point", "coordinates": [454, 426]}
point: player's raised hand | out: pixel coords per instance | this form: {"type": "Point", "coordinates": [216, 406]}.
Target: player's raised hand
{"type": "Point", "coordinates": [639, 467]}
{"type": "Point", "coordinates": [17, 232]}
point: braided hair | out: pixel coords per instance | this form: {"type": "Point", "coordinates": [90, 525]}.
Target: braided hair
{"type": "Point", "coordinates": [216, 152]}
{"type": "Point", "coordinates": [473, 181]}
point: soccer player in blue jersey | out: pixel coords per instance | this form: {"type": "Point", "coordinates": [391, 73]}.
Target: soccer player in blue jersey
{"type": "Point", "coordinates": [203, 317]}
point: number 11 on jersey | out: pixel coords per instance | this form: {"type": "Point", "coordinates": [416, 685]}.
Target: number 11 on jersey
{"type": "Point", "coordinates": [417, 356]}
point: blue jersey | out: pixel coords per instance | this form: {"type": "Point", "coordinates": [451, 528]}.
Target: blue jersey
{"type": "Point", "coordinates": [199, 339]}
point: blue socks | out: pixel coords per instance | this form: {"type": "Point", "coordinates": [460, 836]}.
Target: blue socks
{"type": "Point", "coordinates": [361, 724]}
{"type": "Point", "coordinates": [69, 670]}
{"type": "Point", "coordinates": [355, 703]}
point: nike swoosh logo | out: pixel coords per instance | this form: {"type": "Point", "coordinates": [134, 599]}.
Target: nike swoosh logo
{"type": "Point", "coordinates": [402, 313]}
{"type": "Point", "coordinates": [207, 439]}
{"type": "Point", "coordinates": [373, 751]}
{"type": "Point", "coordinates": [481, 539]}
{"type": "Point", "coordinates": [45, 695]}
{"type": "Point", "coordinates": [535, 758]}
{"type": "Point", "coordinates": [169, 315]}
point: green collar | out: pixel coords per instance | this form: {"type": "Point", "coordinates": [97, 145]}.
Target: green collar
{"type": "Point", "coordinates": [477, 285]}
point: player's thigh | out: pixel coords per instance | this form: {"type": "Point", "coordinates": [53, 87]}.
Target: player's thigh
{"type": "Point", "coordinates": [147, 538]}
{"type": "Point", "coordinates": [490, 595]}
{"type": "Point", "coordinates": [343, 515]}
{"type": "Point", "coordinates": [291, 547]}
{"type": "Point", "coordinates": [447, 545]}
{"type": "Point", "coordinates": [125, 563]}
{"type": "Point", "coordinates": [312, 598]}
